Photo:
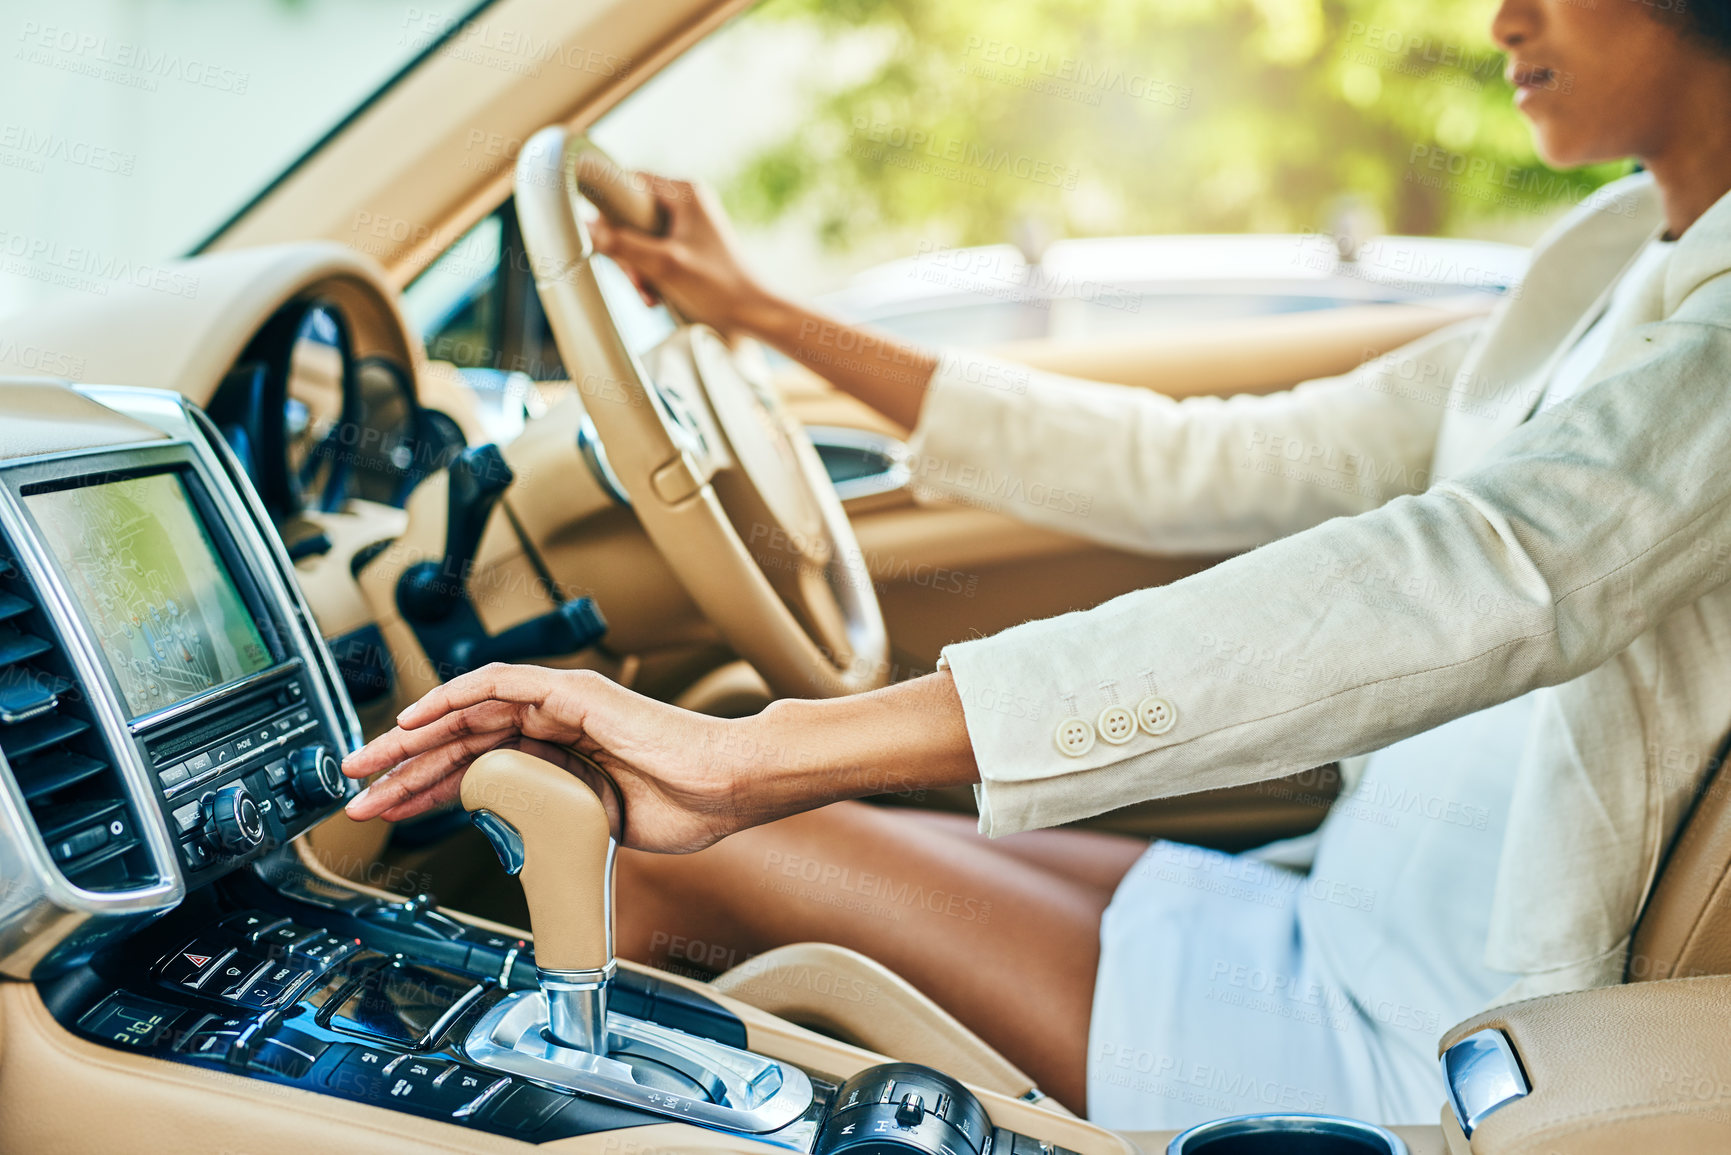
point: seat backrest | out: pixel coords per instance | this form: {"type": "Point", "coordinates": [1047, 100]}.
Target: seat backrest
{"type": "Point", "coordinates": [1685, 928]}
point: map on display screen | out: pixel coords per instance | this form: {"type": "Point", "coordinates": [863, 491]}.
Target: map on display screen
{"type": "Point", "coordinates": [158, 597]}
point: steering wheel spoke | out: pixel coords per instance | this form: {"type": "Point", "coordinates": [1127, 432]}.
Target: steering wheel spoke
{"type": "Point", "coordinates": [724, 481]}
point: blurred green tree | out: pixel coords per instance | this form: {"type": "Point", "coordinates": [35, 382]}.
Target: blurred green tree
{"type": "Point", "coordinates": [980, 121]}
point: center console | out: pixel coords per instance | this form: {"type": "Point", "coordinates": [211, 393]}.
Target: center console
{"type": "Point", "coordinates": [170, 722]}
{"type": "Point", "coordinates": [301, 982]}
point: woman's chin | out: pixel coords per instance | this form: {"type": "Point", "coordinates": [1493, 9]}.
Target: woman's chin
{"type": "Point", "coordinates": [1557, 151]}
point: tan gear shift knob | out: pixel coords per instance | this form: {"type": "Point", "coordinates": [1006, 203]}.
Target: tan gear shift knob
{"type": "Point", "coordinates": [550, 830]}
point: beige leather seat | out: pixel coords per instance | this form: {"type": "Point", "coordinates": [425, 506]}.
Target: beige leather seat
{"type": "Point", "coordinates": [1685, 929]}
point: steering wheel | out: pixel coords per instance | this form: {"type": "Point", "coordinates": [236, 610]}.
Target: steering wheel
{"type": "Point", "coordinates": [723, 479]}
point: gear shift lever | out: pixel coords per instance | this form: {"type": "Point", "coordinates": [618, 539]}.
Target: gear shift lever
{"type": "Point", "coordinates": [551, 831]}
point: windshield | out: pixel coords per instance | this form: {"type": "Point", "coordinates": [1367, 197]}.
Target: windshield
{"type": "Point", "coordinates": [130, 130]}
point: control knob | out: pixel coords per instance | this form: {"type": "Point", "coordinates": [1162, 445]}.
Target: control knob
{"type": "Point", "coordinates": [232, 821]}
{"type": "Point", "coordinates": [316, 777]}
{"type": "Point", "coordinates": [904, 1109]}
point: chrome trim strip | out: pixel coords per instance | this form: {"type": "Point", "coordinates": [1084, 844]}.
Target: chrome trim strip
{"type": "Point", "coordinates": [898, 469]}
{"type": "Point", "coordinates": [215, 694]}
{"type": "Point", "coordinates": [748, 1093]}
{"type": "Point", "coordinates": [582, 978]}
{"type": "Point", "coordinates": [577, 1007]}
{"type": "Point", "coordinates": [607, 913]}
{"type": "Point", "coordinates": [481, 1100]}
{"type": "Point", "coordinates": [234, 990]}
{"type": "Point", "coordinates": [502, 837]}
{"type": "Point", "coordinates": [1483, 1076]}
{"type": "Point", "coordinates": [595, 457]}
{"type": "Point", "coordinates": [135, 777]}
{"type": "Point", "coordinates": [452, 1013]}
{"type": "Point", "coordinates": [312, 1058]}
{"type": "Point", "coordinates": [505, 970]}
{"type": "Point", "coordinates": [11, 719]}
{"type": "Point", "coordinates": [215, 965]}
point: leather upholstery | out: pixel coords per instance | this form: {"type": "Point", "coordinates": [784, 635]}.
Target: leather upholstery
{"type": "Point", "coordinates": [1639, 1067]}
{"type": "Point", "coordinates": [843, 993]}
{"type": "Point", "coordinates": [1685, 929]}
{"type": "Point", "coordinates": [51, 418]}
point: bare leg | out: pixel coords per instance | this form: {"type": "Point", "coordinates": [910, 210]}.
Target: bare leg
{"type": "Point", "coordinates": [1091, 858]}
{"type": "Point", "coordinates": [1008, 947]}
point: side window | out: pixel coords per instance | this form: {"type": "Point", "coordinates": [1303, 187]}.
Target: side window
{"type": "Point", "coordinates": [961, 171]}
{"type": "Point", "coordinates": [476, 307]}
{"type": "Point", "coordinates": [454, 303]}
{"type": "Point", "coordinates": [974, 172]}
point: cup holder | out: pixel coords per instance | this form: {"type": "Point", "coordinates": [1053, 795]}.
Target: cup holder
{"type": "Point", "coordinates": [1287, 1135]}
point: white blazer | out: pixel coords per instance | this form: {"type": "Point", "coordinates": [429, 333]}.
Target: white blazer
{"type": "Point", "coordinates": [1418, 550]}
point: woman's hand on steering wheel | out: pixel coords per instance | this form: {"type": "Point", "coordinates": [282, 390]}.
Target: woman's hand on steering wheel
{"type": "Point", "coordinates": [666, 784]}
{"type": "Point", "coordinates": [694, 267]}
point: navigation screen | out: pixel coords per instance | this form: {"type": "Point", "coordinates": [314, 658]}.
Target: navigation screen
{"type": "Point", "coordinates": [160, 601]}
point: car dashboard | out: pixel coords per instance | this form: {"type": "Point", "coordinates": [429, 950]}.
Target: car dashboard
{"type": "Point", "coordinates": [158, 660]}
{"type": "Point", "coordinates": [171, 723]}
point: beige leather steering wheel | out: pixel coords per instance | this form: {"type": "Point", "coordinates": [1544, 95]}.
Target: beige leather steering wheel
{"type": "Point", "coordinates": [723, 479]}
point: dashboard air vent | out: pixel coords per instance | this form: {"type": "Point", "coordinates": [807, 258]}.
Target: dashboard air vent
{"type": "Point", "coordinates": [56, 752]}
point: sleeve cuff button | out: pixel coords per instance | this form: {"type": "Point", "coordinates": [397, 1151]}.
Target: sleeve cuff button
{"type": "Point", "coordinates": [1117, 725]}
{"type": "Point", "coordinates": [1074, 737]}
{"type": "Point", "coordinates": [1156, 714]}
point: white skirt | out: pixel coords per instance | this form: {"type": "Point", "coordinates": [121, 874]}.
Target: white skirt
{"type": "Point", "coordinates": [1229, 986]}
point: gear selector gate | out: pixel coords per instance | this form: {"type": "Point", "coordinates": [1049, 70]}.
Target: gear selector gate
{"type": "Point", "coordinates": [552, 832]}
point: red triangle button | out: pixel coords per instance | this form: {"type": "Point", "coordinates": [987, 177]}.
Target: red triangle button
{"type": "Point", "coordinates": [197, 960]}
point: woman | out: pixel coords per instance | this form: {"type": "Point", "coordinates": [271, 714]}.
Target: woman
{"type": "Point", "coordinates": [1536, 645]}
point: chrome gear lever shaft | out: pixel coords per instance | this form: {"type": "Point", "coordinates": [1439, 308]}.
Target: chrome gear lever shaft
{"type": "Point", "coordinates": [551, 831]}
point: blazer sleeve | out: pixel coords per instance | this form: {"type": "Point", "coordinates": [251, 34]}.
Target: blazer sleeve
{"type": "Point", "coordinates": [1574, 534]}
{"type": "Point", "coordinates": [1134, 469]}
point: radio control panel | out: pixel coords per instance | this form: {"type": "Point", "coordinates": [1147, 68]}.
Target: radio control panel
{"type": "Point", "coordinates": [244, 772]}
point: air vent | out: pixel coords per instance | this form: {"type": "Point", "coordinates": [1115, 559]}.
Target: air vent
{"type": "Point", "coordinates": [56, 752]}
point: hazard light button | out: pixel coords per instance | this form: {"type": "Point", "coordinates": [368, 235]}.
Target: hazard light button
{"type": "Point", "coordinates": [190, 966]}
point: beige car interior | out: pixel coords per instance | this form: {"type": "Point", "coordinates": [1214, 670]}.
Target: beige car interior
{"type": "Point", "coordinates": [149, 847]}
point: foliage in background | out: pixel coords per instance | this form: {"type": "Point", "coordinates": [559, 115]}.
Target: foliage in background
{"type": "Point", "coordinates": [985, 120]}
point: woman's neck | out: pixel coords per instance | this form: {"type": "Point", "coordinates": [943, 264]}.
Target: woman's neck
{"type": "Point", "coordinates": [1693, 167]}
